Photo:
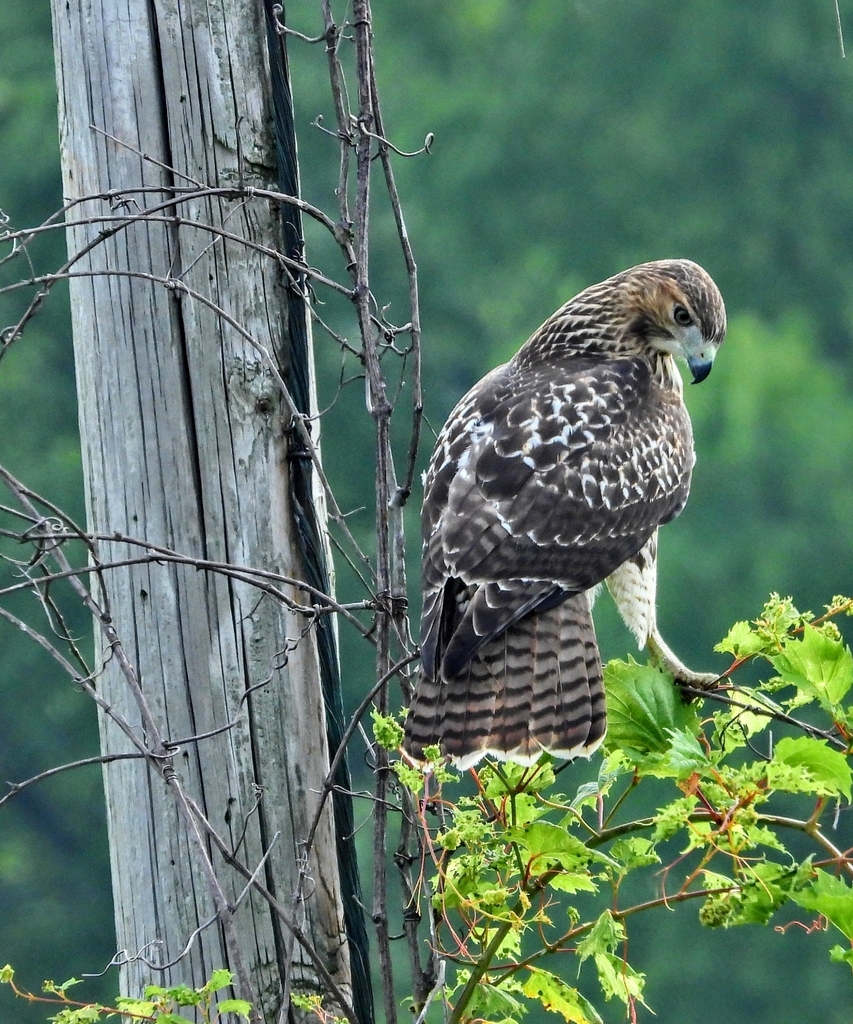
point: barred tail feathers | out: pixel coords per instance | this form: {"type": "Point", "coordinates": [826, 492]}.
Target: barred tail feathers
{"type": "Point", "coordinates": [536, 687]}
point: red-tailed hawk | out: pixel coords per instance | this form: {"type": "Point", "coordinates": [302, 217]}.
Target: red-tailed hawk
{"type": "Point", "coordinates": [551, 476]}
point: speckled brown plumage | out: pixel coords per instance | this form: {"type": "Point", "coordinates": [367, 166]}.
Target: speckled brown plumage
{"type": "Point", "coordinates": [550, 476]}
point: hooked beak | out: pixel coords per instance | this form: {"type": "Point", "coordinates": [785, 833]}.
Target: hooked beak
{"type": "Point", "coordinates": [700, 367]}
{"type": "Point", "coordinates": [699, 353]}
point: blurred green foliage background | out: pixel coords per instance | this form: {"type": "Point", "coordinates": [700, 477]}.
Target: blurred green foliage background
{"type": "Point", "coordinates": [571, 140]}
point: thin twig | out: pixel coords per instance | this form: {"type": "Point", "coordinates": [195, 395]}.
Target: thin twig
{"type": "Point", "coordinates": [340, 753]}
{"type": "Point", "coordinates": [16, 787]}
{"type": "Point", "coordinates": [768, 711]}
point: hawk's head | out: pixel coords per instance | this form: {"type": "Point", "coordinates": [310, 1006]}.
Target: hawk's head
{"type": "Point", "coordinates": [667, 307]}
{"type": "Point", "coordinates": [671, 306]}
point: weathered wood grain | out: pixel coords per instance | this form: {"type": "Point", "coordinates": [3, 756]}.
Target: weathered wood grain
{"type": "Point", "coordinates": [183, 432]}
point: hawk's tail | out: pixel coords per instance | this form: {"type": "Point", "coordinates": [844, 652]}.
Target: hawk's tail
{"type": "Point", "coordinates": [537, 686]}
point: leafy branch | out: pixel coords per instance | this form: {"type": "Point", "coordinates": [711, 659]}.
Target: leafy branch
{"type": "Point", "coordinates": [508, 864]}
{"type": "Point", "coordinates": [159, 1005]}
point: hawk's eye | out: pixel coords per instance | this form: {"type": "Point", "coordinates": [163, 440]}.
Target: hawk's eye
{"type": "Point", "coordinates": [681, 316]}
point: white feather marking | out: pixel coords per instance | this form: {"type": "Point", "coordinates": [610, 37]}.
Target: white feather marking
{"type": "Point", "coordinates": [604, 487]}
{"type": "Point", "coordinates": [534, 441]}
{"type": "Point", "coordinates": [531, 423]}
{"type": "Point", "coordinates": [502, 520]}
{"type": "Point", "coordinates": [477, 429]}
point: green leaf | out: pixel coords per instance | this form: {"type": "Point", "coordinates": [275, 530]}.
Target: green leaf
{"type": "Point", "coordinates": [241, 1007]}
{"type": "Point", "coordinates": [831, 897]}
{"type": "Point", "coordinates": [618, 978]}
{"type": "Point", "coordinates": [509, 946]}
{"type": "Point", "coordinates": [686, 754]}
{"type": "Point", "coordinates": [546, 838]}
{"type": "Point", "coordinates": [840, 955]}
{"type": "Point", "coordinates": [80, 1015]}
{"type": "Point", "coordinates": [473, 829]}
{"type": "Point", "coordinates": [410, 776]}
{"type": "Point", "coordinates": [604, 937]}
{"type": "Point", "coordinates": [613, 767]}
{"type": "Point", "coordinates": [714, 880]}
{"type": "Point", "coordinates": [493, 1002]}
{"type": "Point", "coordinates": [571, 882]}
{"type": "Point", "coordinates": [644, 708]}
{"type": "Point", "coordinates": [183, 995]}
{"type": "Point", "coordinates": [387, 731]}
{"type": "Point", "coordinates": [819, 664]}
{"type": "Point", "coordinates": [766, 892]}
{"type": "Point", "coordinates": [307, 1001]}
{"type": "Point", "coordinates": [523, 808]}
{"type": "Point", "coordinates": [742, 642]}
{"type": "Point", "coordinates": [733, 727]}
{"type": "Point", "coordinates": [634, 852]}
{"type": "Point", "coordinates": [558, 997]}
{"type": "Point", "coordinates": [807, 765]}
{"type": "Point", "coordinates": [136, 1007]}
{"type": "Point", "coordinates": [751, 902]}
{"type": "Point", "coordinates": [449, 840]}
{"type": "Point", "coordinates": [760, 835]}
{"type": "Point", "coordinates": [508, 778]}
{"type": "Point", "coordinates": [671, 819]}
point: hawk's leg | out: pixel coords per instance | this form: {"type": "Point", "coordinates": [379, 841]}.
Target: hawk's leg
{"type": "Point", "coordinates": [633, 586]}
{"type": "Point", "coordinates": [664, 658]}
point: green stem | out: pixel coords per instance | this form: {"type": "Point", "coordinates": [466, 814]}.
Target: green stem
{"type": "Point", "coordinates": [481, 967]}
{"type": "Point", "coordinates": [628, 789]}
{"type": "Point", "coordinates": [490, 952]}
{"type": "Point", "coordinates": [809, 827]}
{"type": "Point", "coordinates": [560, 945]}
{"type": "Point", "coordinates": [606, 834]}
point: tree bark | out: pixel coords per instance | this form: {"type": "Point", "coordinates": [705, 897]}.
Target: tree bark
{"type": "Point", "coordinates": [184, 444]}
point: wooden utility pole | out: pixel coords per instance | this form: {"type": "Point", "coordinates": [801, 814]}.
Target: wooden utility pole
{"type": "Point", "coordinates": [184, 431]}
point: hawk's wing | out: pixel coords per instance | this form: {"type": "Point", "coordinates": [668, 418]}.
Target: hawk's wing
{"type": "Point", "coordinates": [544, 480]}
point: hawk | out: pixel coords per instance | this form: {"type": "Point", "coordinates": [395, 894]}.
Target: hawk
{"type": "Point", "coordinates": [551, 476]}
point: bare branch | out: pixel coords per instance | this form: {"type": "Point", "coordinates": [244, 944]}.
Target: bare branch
{"type": "Point", "coordinates": [16, 787]}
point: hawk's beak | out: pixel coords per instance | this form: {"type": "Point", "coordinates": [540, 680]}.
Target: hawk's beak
{"type": "Point", "coordinates": [700, 367]}
{"type": "Point", "coordinates": [699, 353]}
